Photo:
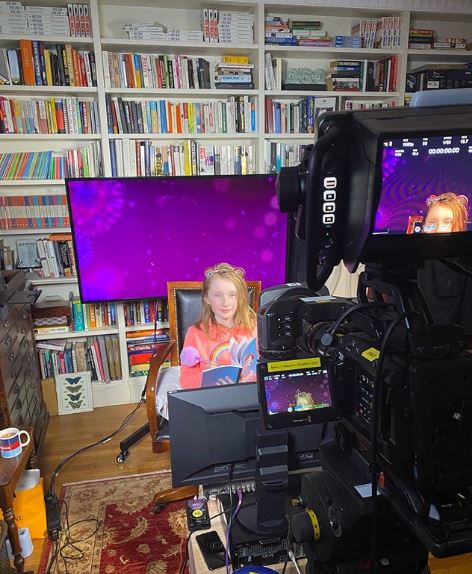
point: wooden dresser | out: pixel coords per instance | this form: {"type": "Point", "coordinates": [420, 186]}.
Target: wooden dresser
{"type": "Point", "coordinates": [21, 400]}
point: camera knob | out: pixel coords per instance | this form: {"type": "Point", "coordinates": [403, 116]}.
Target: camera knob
{"type": "Point", "coordinates": [305, 527]}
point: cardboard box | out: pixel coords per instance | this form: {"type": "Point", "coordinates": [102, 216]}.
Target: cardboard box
{"type": "Point", "coordinates": [49, 396]}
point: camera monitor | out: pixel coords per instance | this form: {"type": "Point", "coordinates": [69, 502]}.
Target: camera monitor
{"type": "Point", "coordinates": [213, 435]}
{"type": "Point", "coordinates": [295, 392]}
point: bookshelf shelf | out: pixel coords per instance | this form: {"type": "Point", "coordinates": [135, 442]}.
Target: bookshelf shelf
{"type": "Point", "coordinates": [328, 53]}
{"type": "Point", "coordinates": [325, 94]}
{"type": "Point", "coordinates": [31, 231]}
{"type": "Point", "coordinates": [48, 90]}
{"type": "Point", "coordinates": [195, 48]}
{"type": "Point", "coordinates": [186, 136]}
{"type": "Point", "coordinates": [299, 136]}
{"type": "Point", "coordinates": [439, 55]}
{"type": "Point", "coordinates": [76, 334]}
{"type": "Point", "coordinates": [28, 182]}
{"type": "Point", "coordinates": [37, 281]}
{"type": "Point", "coordinates": [52, 137]}
{"type": "Point", "coordinates": [180, 94]}
{"type": "Point", "coordinates": [12, 38]}
{"type": "Point", "coordinates": [159, 325]}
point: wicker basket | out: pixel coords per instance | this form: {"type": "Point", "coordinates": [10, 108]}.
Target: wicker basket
{"type": "Point", "coordinates": [5, 566]}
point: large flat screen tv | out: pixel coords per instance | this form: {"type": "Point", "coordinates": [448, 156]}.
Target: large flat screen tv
{"type": "Point", "coordinates": [132, 235]}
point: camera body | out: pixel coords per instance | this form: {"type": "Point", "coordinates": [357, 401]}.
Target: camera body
{"type": "Point", "coordinates": [397, 385]}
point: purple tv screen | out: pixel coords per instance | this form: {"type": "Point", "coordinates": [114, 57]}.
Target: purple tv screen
{"type": "Point", "coordinates": [132, 235]}
{"type": "Point", "coordinates": [426, 185]}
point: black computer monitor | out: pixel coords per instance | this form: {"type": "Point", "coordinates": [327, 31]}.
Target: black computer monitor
{"type": "Point", "coordinates": [213, 435]}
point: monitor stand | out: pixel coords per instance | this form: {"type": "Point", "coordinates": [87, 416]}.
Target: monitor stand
{"type": "Point", "coordinates": [263, 513]}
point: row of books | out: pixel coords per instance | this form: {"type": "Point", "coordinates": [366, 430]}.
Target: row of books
{"type": "Point", "coordinates": [56, 256]}
{"type": "Point", "coordinates": [33, 211]}
{"type": "Point", "coordinates": [382, 32]}
{"type": "Point", "coordinates": [35, 63]}
{"type": "Point", "coordinates": [368, 104]}
{"type": "Point", "coordinates": [427, 39]}
{"type": "Point", "coordinates": [131, 158]}
{"type": "Point", "coordinates": [226, 26]}
{"type": "Point", "coordinates": [298, 116]}
{"type": "Point", "coordinates": [87, 316]}
{"type": "Point", "coordinates": [84, 161]}
{"type": "Point", "coordinates": [280, 154]}
{"type": "Point", "coordinates": [237, 114]}
{"type": "Point", "coordinates": [73, 20]}
{"type": "Point", "coordinates": [69, 115]}
{"type": "Point", "coordinates": [133, 70]}
{"type": "Point", "coordinates": [145, 312]}
{"type": "Point", "coordinates": [141, 346]}
{"type": "Point", "coordinates": [157, 32]}
{"type": "Point", "coordinates": [364, 75]}
{"type": "Point", "coordinates": [100, 355]}
{"type": "Point", "coordinates": [273, 72]}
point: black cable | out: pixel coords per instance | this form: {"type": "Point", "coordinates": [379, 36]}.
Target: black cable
{"type": "Point", "coordinates": [103, 440]}
{"type": "Point", "coordinates": [350, 310]}
{"type": "Point", "coordinates": [373, 429]}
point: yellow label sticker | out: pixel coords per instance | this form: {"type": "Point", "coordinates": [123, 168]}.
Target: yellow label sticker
{"type": "Point", "coordinates": [309, 363]}
{"type": "Point", "coordinates": [371, 354]}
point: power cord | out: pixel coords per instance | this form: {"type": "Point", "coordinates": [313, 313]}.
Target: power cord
{"type": "Point", "coordinates": [53, 510]}
{"type": "Point", "coordinates": [228, 530]}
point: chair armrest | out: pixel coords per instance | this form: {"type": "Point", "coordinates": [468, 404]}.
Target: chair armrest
{"type": "Point", "coordinates": [152, 385]}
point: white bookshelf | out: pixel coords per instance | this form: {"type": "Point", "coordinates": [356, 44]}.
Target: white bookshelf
{"type": "Point", "coordinates": [108, 16]}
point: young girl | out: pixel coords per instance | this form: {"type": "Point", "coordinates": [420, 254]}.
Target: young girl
{"type": "Point", "coordinates": [446, 213]}
{"type": "Point", "coordinates": [226, 317]}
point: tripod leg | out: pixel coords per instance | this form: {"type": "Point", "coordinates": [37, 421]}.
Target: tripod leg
{"type": "Point", "coordinates": [128, 442]}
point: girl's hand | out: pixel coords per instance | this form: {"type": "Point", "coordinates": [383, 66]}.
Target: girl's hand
{"type": "Point", "coordinates": [225, 381]}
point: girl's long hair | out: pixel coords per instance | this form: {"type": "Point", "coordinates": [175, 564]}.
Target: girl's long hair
{"type": "Point", "coordinates": [245, 317]}
{"type": "Point", "coordinates": [458, 204]}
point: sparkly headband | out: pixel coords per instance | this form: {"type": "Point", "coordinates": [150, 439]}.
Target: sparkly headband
{"type": "Point", "coordinates": [438, 198]}
{"type": "Point", "coordinates": [214, 270]}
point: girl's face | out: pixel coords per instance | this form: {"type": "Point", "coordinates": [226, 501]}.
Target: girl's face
{"type": "Point", "coordinates": [439, 219]}
{"type": "Point", "coordinates": [223, 300]}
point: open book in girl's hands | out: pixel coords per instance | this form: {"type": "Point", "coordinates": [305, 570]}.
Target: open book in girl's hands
{"type": "Point", "coordinates": [244, 356]}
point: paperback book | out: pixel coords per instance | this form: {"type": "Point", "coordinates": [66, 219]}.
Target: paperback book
{"type": "Point", "coordinates": [244, 356]}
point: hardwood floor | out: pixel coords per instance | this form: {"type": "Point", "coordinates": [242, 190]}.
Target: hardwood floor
{"type": "Point", "coordinates": [67, 434]}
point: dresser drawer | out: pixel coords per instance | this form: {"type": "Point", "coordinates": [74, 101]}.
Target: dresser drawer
{"type": "Point", "coordinates": [25, 320]}
{"type": "Point", "coordinates": [11, 367]}
{"type": "Point", "coordinates": [13, 312]}
{"type": "Point", "coordinates": [22, 380]}
{"type": "Point", "coordinates": [7, 341]}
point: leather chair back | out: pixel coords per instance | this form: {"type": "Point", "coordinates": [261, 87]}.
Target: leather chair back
{"type": "Point", "coordinates": [185, 305]}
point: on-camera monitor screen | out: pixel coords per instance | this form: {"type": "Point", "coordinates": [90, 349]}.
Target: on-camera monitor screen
{"type": "Point", "coordinates": [426, 185]}
{"type": "Point", "coordinates": [132, 235]}
{"type": "Point", "coordinates": [297, 391]}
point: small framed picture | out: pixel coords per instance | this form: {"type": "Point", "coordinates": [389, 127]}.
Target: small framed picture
{"type": "Point", "coordinates": [28, 257]}
{"type": "Point", "coordinates": [74, 393]}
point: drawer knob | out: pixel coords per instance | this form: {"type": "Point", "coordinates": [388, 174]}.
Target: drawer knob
{"type": "Point", "coordinates": [11, 356]}
{"type": "Point", "coordinates": [9, 339]}
{"type": "Point", "coordinates": [17, 389]}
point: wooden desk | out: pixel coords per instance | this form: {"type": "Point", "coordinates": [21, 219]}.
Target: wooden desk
{"type": "Point", "coordinates": [10, 472]}
{"type": "Point", "coordinates": [197, 563]}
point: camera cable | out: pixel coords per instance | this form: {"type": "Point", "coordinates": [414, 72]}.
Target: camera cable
{"type": "Point", "coordinates": [373, 430]}
{"type": "Point", "coordinates": [327, 337]}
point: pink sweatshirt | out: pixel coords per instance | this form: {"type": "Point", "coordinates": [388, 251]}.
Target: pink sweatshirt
{"type": "Point", "coordinates": [202, 352]}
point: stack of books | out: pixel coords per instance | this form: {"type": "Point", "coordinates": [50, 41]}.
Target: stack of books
{"type": "Point", "coordinates": [309, 33]}
{"type": "Point", "coordinates": [52, 315]}
{"type": "Point", "coordinates": [141, 347]}
{"type": "Point", "coordinates": [450, 43]}
{"type": "Point", "coordinates": [277, 31]}
{"type": "Point", "coordinates": [145, 31]}
{"type": "Point", "coordinates": [344, 75]}
{"type": "Point", "coordinates": [348, 42]}
{"type": "Point", "coordinates": [421, 38]}
{"type": "Point", "coordinates": [48, 20]}
{"type": "Point", "coordinates": [12, 18]}
{"type": "Point", "coordinates": [234, 72]}
{"type": "Point", "coordinates": [235, 27]}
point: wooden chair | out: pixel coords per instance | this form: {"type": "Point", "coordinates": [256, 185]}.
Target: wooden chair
{"type": "Point", "coordinates": [185, 303]}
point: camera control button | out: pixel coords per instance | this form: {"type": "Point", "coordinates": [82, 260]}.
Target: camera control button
{"type": "Point", "coordinates": [329, 218]}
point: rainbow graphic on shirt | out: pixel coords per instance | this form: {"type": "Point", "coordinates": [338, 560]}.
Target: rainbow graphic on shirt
{"type": "Point", "coordinates": [216, 352]}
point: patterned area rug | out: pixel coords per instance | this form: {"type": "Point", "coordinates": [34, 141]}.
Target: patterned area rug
{"type": "Point", "coordinates": [130, 538]}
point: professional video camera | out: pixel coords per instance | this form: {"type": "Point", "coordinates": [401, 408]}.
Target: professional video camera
{"type": "Point", "coordinates": [388, 188]}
